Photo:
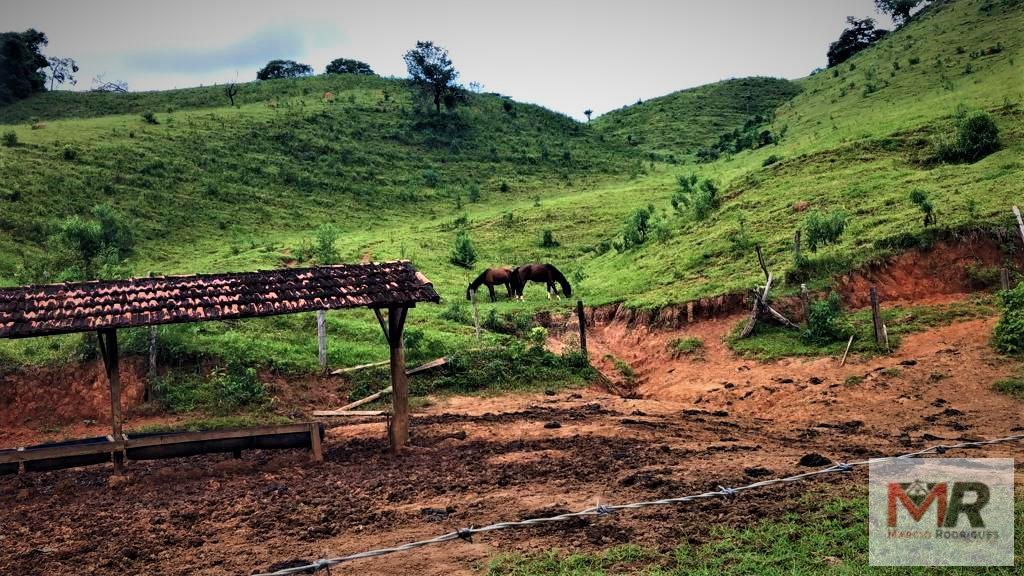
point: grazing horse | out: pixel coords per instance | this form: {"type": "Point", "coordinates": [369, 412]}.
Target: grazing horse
{"type": "Point", "coordinates": [539, 273]}
{"type": "Point", "coordinates": [491, 277]}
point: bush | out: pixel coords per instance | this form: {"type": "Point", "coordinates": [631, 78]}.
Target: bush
{"type": "Point", "coordinates": [457, 312]}
{"type": "Point", "coordinates": [976, 136]}
{"type": "Point", "coordinates": [824, 228]}
{"type": "Point", "coordinates": [637, 228]}
{"type": "Point", "coordinates": [774, 158]}
{"type": "Point", "coordinates": [920, 198]}
{"type": "Point", "coordinates": [473, 192]}
{"type": "Point", "coordinates": [824, 321]}
{"type": "Point", "coordinates": [223, 391]}
{"type": "Point", "coordinates": [10, 139]}
{"type": "Point", "coordinates": [1008, 336]}
{"type": "Point", "coordinates": [504, 186]}
{"type": "Point", "coordinates": [463, 253]}
{"type": "Point", "coordinates": [69, 153]}
{"type": "Point", "coordinates": [323, 245]}
{"type": "Point", "coordinates": [548, 240]}
{"type": "Point", "coordinates": [149, 117]}
{"type": "Point", "coordinates": [431, 178]}
{"type": "Point", "coordinates": [699, 195]}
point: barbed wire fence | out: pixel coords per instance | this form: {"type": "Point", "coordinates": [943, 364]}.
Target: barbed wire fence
{"type": "Point", "coordinates": [607, 509]}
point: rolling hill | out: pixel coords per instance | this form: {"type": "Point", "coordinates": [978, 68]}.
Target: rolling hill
{"type": "Point", "coordinates": [211, 187]}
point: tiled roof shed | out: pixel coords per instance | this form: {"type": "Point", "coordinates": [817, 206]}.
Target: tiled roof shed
{"type": "Point", "coordinates": [102, 305]}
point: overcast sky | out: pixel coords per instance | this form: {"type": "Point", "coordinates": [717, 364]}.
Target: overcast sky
{"type": "Point", "coordinates": [566, 55]}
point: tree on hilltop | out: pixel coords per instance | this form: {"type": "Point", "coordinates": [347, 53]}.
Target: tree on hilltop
{"type": "Point", "coordinates": [899, 10]}
{"type": "Point", "coordinates": [283, 69]}
{"type": "Point", "coordinates": [432, 71]}
{"type": "Point", "coordinates": [22, 64]}
{"type": "Point", "coordinates": [860, 35]}
{"type": "Point", "coordinates": [62, 70]}
{"type": "Point", "coordinates": [348, 66]}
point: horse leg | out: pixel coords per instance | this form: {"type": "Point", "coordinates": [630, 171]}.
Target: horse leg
{"type": "Point", "coordinates": [508, 288]}
{"type": "Point", "coordinates": [491, 290]}
{"type": "Point", "coordinates": [550, 289]}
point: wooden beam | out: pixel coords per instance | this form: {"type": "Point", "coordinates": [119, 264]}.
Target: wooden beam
{"type": "Point", "coordinates": [399, 381]}
{"type": "Point", "coordinates": [343, 413]}
{"type": "Point", "coordinates": [848, 343]}
{"type": "Point", "coordinates": [357, 403]}
{"type": "Point", "coordinates": [341, 371]}
{"type": "Point", "coordinates": [315, 448]}
{"type": "Point", "coordinates": [183, 437]}
{"type": "Point", "coordinates": [427, 366]}
{"type": "Point", "coordinates": [45, 453]}
{"type": "Point", "coordinates": [383, 323]}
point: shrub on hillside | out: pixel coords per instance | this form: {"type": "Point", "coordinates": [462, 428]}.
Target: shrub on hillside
{"type": "Point", "coordinates": [10, 138]}
{"type": "Point", "coordinates": [824, 228]}
{"type": "Point", "coordinates": [824, 321]}
{"type": "Point", "coordinates": [473, 192]}
{"type": "Point", "coordinates": [976, 136]}
{"type": "Point", "coordinates": [1008, 336]}
{"type": "Point", "coordinates": [323, 246]}
{"type": "Point", "coordinates": [698, 195]}
{"type": "Point", "coordinates": [348, 66]}
{"type": "Point", "coordinates": [463, 253]}
{"type": "Point", "coordinates": [920, 199]}
{"type": "Point", "coordinates": [149, 117]}
{"type": "Point", "coordinates": [548, 240]}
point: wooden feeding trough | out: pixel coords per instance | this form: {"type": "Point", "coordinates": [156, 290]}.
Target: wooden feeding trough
{"type": "Point", "coordinates": [389, 289]}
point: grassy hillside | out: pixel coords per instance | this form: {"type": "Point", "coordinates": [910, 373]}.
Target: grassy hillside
{"type": "Point", "coordinates": [240, 188]}
{"type": "Point", "coordinates": [677, 124]}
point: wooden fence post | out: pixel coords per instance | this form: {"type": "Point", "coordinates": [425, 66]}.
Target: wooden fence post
{"type": "Point", "coordinates": [321, 339]}
{"type": "Point", "coordinates": [1004, 278]}
{"type": "Point", "coordinates": [582, 317]}
{"type": "Point", "coordinates": [876, 318]}
{"type": "Point", "coordinates": [805, 302]}
{"type": "Point", "coordinates": [476, 316]}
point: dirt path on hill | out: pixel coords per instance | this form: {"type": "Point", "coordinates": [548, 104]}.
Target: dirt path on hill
{"type": "Point", "coordinates": [696, 425]}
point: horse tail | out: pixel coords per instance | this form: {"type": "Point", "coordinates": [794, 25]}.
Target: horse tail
{"type": "Point", "coordinates": [561, 279]}
{"type": "Point", "coordinates": [475, 284]}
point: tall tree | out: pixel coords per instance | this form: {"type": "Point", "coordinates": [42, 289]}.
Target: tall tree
{"type": "Point", "coordinates": [899, 10]}
{"type": "Point", "coordinates": [283, 69]}
{"type": "Point", "coordinates": [62, 70]}
{"type": "Point", "coordinates": [348, 66]}
{"type": "Point", "coordinates": [587, 113]}
{"type": "Point", "coordinates": [22, 64]}
{"type": "Point", "coordinates": [860, 35]}
{"type": "Point", "coordinates": [431, 70]}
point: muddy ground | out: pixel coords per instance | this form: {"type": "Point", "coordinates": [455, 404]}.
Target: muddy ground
{"type": "Point", "coordinates": [696, 424]}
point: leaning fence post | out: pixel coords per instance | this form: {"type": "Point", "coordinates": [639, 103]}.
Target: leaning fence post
{"type": "Point", "coordinates": [1004, 278]}
{"type": "Point", "coordinates": [876, 318]}
{"type": "Point", "coordinates": [321, 339]}
{"type": "Point", "coordinates": [582, 317]}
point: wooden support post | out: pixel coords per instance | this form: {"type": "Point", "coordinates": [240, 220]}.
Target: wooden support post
{"type": "Point", "coordinates": [399, 381]}
{"type": "Point", "coordinates": [796, 247]}
{"type": "Point", "coordinates": [876, 318]}
{"type": "Point", "coordinates": [108, 347]}
{"type": "Point", "coordinates": [1004, 278]}
{"type": "Point", "coordinates": [151, 376]}
{"type": "Point", "coordinates": [316, 448]}
{"type": "Point", "coordinates": [321, 339]}
{"type": "Point", "coordinates": [582, 317]}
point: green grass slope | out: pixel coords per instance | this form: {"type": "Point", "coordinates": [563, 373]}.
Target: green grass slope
{"type": "Point", "coordinates": [225, 188]}
{"type": "Point", "coordinates": [677, 124]}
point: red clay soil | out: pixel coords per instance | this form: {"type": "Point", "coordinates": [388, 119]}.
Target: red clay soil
{"type": "Point", "coordinates": [697, 425]}
{"type": "Point", "coordinates": [918, 274]}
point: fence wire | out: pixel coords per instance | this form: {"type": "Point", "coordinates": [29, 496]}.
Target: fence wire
{"type": "Point", "coordinates": [606, 509]}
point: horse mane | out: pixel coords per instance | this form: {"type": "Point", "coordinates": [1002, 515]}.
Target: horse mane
{"type": "Point", "coordinates": [560, 278]}
{"type": "Point", "coordinates": [475, 284]}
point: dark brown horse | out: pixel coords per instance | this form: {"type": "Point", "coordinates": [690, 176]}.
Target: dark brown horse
{"type": "Point", "coordinates": [491, 277]}
{"type": "Point", "coordinates": [539, 273]}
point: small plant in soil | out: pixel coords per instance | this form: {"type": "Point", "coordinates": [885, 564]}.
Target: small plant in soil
{"type": "Point", "coordinates": [692, 346]}
{"type": "Point", "coordinates": [1011, 386]}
